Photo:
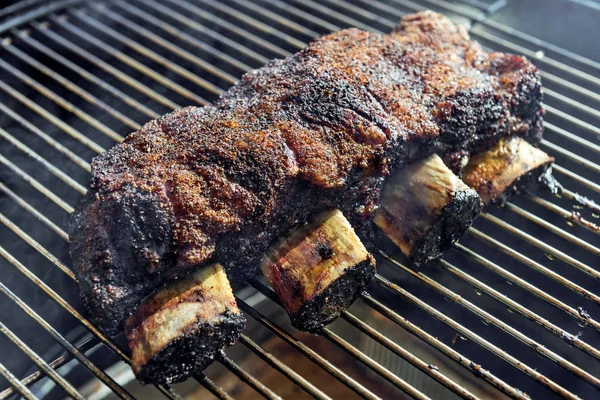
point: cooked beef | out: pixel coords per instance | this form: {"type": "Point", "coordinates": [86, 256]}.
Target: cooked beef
{"type": "Point", "coordinates": [318, 130]}
{"type": "Point", "coordinates": [511, 166]}
{"type": "Point", "coordinates": [425, 208]}
{"type": "Point", "coordinates": [179, 330]}
{"type": "Point", "coordinates": [318, 270]}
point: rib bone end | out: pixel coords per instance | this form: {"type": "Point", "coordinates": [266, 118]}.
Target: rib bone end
{"type": "Point", "coordinates": [425, 208]}
{"type": "Point", "coordinates": [508, 168]}
{"type": "Point", "coordinates": [178, 330]}
{"type": "Point", "coordinates": [319, 270]}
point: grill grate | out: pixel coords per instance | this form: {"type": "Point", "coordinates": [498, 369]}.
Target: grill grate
{"type": "Point", "coordinates": [78, 76]}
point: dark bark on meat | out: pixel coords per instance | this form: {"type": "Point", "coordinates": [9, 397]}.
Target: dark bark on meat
{"type": "Point", "coordinates": [319, 130]}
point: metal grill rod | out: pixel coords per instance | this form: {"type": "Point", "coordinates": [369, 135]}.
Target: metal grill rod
{"type": "Point", "coordinates": [213, 387]}
{"type": "Point", "coordinates": [307, 351]}
{"type": "Point", "coordinates": [52, 374]}
{"type": "Point", "coordinates": [16, 383]}
{"type": "Point", "coordinates": [55, 364]}
{"type": "Point", "coordinates": [534, 265]}
{"type": "Point", "coordinates": [571, 156]}
{"type": "Point", "coordinates": [573, 103]}
{"type": "Point", "coordinates": [275, 17]}
{"type": "Point", "coordinates": [282, 368]}
{"type": "Point", "coordinates": [132, 82]}
{"type": "Point", "coordinates": [328, 26]}
{"type": "Point", "coordinates": [255, 23]}
{"type": "Point", "coordinates": [215, 19]}
{"type": "Point", "coordinates": [442, 347]}
{"type": "Point", "coordinates": [84, 74]}
{"type": "Point", "coordinates": [557, 231]}
{"type": "Point", "coordinates": [39, 216]}
{"type": "Point", "coordinates": [124, 58]}
{"type": "Point", "coordinates": [527, 286]}
{"type": "Point", "coordinates": [90, 98]}
{"type": "Point", "coordinates": [475, 338]}
{"type": "Point", "coordinates": [50, 141]}
{"type": "Point", "coordinates": [569, 215]}
{"type": "Point", "coordinates": [62, 102]}
{"type": "Point", "coordinates": [36, 184]}
{"type": "Point", "coordinates": [246, 377]}
{"type": "Point", "coordinates": [172, 47]}
{"type": "Point", "coordinates": [579, 179]}
{"type": "Point", "coordinates": [541, 245]}
{"type": "Point", "coordinates": [513, 305]}
{"type": "Point", "coordinates": [572, 137]}
{"type": "Point", "coordinates": [429, 369]}
{"type": "Point", "coordinates": [49, 166]}
{"type": "Point", "coordinates": [51, 118]}
{"type": "Point", "coordinates": [193, 25]}
{"type": "Point", "coordinates": [347, 347]}
{"type": "Point", "coordinates": [150, 19]}
{"type": "Point", "coordinates": [501, 325]}
{"type": "Point", "coordinates": [575, 121]}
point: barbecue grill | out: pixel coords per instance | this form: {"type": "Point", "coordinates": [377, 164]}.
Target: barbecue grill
{"type": "Point", "coordinates": [509, 311]}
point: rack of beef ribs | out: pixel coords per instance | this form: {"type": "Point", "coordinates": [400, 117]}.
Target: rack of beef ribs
{"type": "Point", "coordinates": [321, 130]}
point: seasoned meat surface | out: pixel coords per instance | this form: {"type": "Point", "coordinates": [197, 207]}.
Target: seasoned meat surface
{"type": "Point", "coordinates": [320, 129]}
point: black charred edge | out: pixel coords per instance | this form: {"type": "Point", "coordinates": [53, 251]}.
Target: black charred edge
{"type": "Point", "coordinates": [335, 299]}
{"type": "Point", "coordinates": [457, 216]}
{"type": "Point", "coordinates": [193, 351]}
{"type": "Point", "coordinates": [539, 179]}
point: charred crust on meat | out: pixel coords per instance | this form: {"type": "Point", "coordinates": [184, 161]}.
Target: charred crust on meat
{"type": "Point", "coordinates": [318, 270]}
{"type": "Point", "coordinates": [192, 351]}
{"type": "Point", "coordinates": [327, 306]}
{"type": "Point", "coordinates": [322, 129]}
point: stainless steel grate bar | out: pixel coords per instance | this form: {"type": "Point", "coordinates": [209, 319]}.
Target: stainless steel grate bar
{"type": "Point", "coordinates": [283, 368]}
{"type": "Point", "coordinates": [75, 89]}
{"type": "Point", "coordinates": [124, 58]}
{"type": "Point", "coordinates": [58, 362]}
{"type": "Point", "coordinates": [83, 73]}
{"type": "Point", "coordinates": [51, 118]}
{"type": "Point", "coordinates": [60, 381]}
{"type": "Point", "coordinates": [307, 351]}
{"type": "Point", "coordinates": [344, 345]}
{"type": "Point", "coordinates": [107, 380]}
{"type": "Point", "coordinates": [16, 383]}
{"type": "Point", "coordinates": [490, 319]}
{"type": "Point", "coordinates": [55, 171]}
{"type": "Point", "coordinates": [107, 67]}
{"type": "Point", "coordinates": [62, 102]}
{"type": "Point", "coordinates": [444, 348]}
{"type": "Point", "coordinates": [182, 36]}
{"type": "Point", "coordinates": [476, 338]}
{"type": "Point", "coordinates": [570, 338]}
{"type": "Point", "coordinates": [49, 140]}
